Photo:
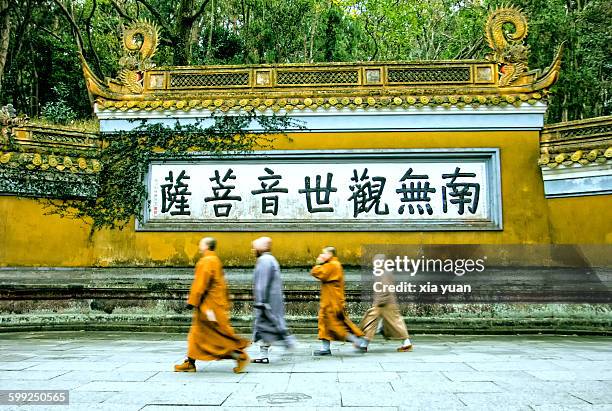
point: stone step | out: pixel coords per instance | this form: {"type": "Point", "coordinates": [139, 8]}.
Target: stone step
{"type": "Point", "coordinates": [306, 325]}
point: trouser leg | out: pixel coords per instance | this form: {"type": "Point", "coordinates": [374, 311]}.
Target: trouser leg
{"type": "Point", "coordinates": [369, 323]}
{"type": "Point", "coordinates": [264, 349]}
{"type": "Point", "coordinates": [358, 342]}
{"type": "Point", "coordinates": [290, 341]}
{"type": "Point", "coordinates": [393, 322]}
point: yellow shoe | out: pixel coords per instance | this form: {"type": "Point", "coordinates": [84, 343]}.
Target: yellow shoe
{"type": "Point", "coordinates": [242, 362]}
{"type": "Point", "coordinates": [405, 348]}
{"type": "Point", "coordinates": [185, 367]}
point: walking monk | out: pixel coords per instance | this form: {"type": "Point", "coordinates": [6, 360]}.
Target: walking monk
{"type": "Point", "coordinates": [269, 304]}
{"type": "Point", "coordinates": [211, 336]}
{"type": "Point", "coordinates": [334, 323]}
{"type": "Point", "coordinates": [385, 308]}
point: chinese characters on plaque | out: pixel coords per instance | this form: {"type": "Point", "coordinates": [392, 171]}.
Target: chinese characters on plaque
{"type": "Point", "coordinates": [318, 192]}
{"type": "Point", "coordinates": [366, 193]}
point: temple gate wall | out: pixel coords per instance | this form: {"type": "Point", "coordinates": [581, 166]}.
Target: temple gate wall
{"type": "Point", "coordinates": [538, 186]}
{"type": "Point", "coordinates": [547, 188]}
{"type": "Point", "coordinates": [28, 237]}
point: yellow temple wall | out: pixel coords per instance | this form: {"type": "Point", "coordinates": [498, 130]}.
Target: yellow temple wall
{"type": "Point", "coordinates": [580, 220]}
{"type": "Point", "coordinates": [28, 237]}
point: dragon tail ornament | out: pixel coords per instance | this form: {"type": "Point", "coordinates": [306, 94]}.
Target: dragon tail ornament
{"type": "Point", "coordinates": [508, 48]}
{"type": "Point", "coordinates": [140, 41]}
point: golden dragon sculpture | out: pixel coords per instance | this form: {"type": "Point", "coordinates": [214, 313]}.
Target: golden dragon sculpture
{"type": "Point", "coordinates": [140, 41]}
{"type": "Point", "coordinates": [508, 48]}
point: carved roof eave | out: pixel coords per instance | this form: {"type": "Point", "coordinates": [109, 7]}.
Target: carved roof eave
{"type": "Point", "coordinates": [503, 78]}
{"type": "Point", "coordinates": [577, 143]}
{"type": "Point", "coordinates": [529, 86]}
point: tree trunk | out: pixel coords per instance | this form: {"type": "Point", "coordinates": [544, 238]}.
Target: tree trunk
{"type": "Point", "coordinates": [210, 31]}
{"type": "Point", "coordinates": [5, 31]}
{"type": "Point", "coordinates": [183, 30]}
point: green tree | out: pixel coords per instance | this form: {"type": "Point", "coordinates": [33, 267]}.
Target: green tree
{"type": "Point", "coordinates": [42, 51]}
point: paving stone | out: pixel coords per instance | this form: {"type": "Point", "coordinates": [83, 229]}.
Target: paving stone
{"type": "Point", "coordinates": [589, 365]}
{"type": "Point", "coordinates": [89, 397]}
{"type": "Point", "coordinates": [150, 366]}
{"type": "Point", "coordinates": [175, 398]}
{"type": "Point", "coordinates": [380, 376]}
{"type": "Point", "coordinates": [380, 396]}
{"type": "Point", "coordinates": [74, 366]}
{"type": "Point", "coordinates": [25, 384]}
{"type": "Point", "coordinates": [585, 375]}
{"type": "Point", "coordinates": [9, 376]}
{"type": "Point", "coordinates": [429, 366]}
{"type": "Point", "coordinates": [519, 398]}
{"type": "Point", "coordinates": [521, 377]}
{"type": "Point", "coordinates": [307, 396]}
{"type": "Point", "coordinates": [17, 365]}
{"type": "Point", "coordinates": [517, 365]}
{"type": "Point", "coordinates": [561, 407]}
{"type": "Point", "coordinates": [447, 386]}
{"type": "Point", "coordinates": [123, 371]}
{"type": "Point", "coordinates": [201, 376]}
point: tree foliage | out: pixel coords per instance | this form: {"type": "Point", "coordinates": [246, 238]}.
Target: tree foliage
{"type": "Point", "coordinates": [125, 157]}
{"type": "Point", "coordinates": [39, 40]}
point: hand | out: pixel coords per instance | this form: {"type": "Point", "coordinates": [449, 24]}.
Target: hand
{"type": "Point", "coordinates": [210, 315]}
{"type": "Point", "coordinates": [190, 307]}
{"type": "Point", "coordinates": [322, 258]}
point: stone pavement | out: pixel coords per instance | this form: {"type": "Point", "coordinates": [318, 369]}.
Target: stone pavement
{"type": "Point", "coordinates": [132, 371]}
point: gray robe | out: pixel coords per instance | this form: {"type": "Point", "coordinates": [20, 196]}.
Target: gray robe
{"type": "Point", "coordinates": [269, 304]}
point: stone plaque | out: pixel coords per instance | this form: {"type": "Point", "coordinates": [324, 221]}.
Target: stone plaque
{"type": "Point", "coordinates": [354, 190]}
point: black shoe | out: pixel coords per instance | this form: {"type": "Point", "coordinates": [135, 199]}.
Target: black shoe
{"type": "Point", "coordinates": [320, 353]}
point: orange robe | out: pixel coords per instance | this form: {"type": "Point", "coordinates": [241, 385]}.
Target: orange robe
{"type": "Point", "coordinates": [334, 323]}
{"type": "Point", "coordinates": [211, 336]}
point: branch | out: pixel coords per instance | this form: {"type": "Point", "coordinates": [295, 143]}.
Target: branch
{"type": "Point", "coordinates": [75, 27]}
{"type": "Point", "coordinates": [158, 18]}
{"type": "Point", "coordinates": [372, 35]}
{"type": "Point", "coordinates": [121, 12]}
{"type": "Point", "coordinates": [89, 36]}
{"type": "Point", "coordinates": [198, 13]}
{"type": "Point", "coordinates": [152, 10]}
{"type": "Point", "coordinates": [468, 51]}
{"type": "Point", "coordinates": [49, 32]}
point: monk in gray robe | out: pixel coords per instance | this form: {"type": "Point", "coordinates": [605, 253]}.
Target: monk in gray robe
{"type": "Point", "coordinates": [269, 304]}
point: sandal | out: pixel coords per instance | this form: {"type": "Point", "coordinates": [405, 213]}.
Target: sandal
{"type": "Point", "coordinates": [260, 361]}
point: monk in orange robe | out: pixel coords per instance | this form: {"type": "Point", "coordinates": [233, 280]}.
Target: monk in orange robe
{"type": "Point", "coordinates": [334, 323]}
{"type": "Point", "coordinates": [211, 336]}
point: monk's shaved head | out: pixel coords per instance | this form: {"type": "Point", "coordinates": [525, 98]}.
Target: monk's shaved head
{"type": "Point", "coordinates": [262, 244]}
{"type": "Point", "coordinates": [331, 250]}
{"type": "Point", "coordinates": [208, 243]}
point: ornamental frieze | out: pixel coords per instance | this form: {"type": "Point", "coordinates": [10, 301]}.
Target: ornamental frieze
{"type": "Point", "coordinates": [503, 78]}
